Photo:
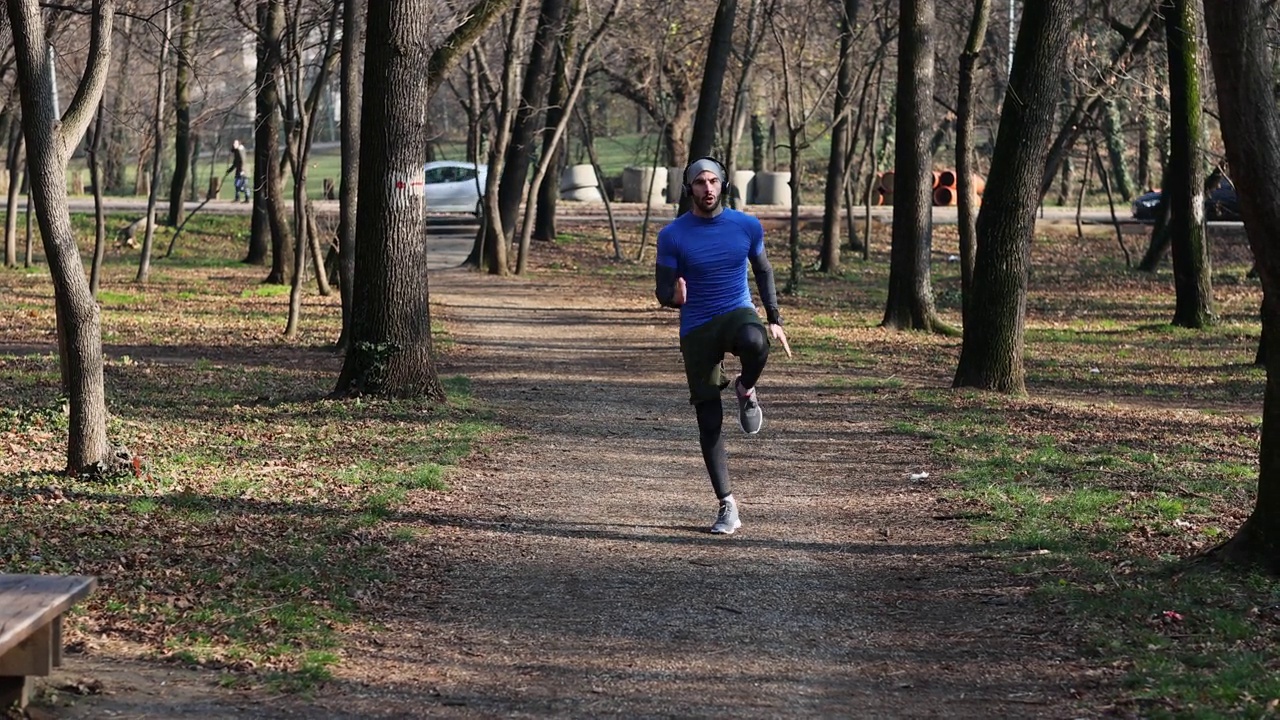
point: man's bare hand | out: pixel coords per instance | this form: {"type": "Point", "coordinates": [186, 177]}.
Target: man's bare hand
{"type": "Point", "coordinates": [682, 293]}
{"type": "Point", "coordinates": [779, 334]}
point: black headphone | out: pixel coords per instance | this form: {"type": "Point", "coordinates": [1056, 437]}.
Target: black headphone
{"type": "Point", "coordinates": [688, 187]}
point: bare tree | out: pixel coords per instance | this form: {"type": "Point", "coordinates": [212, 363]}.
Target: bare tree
{"type": "Point", "coordinates": [14, 165]}
{"type": "Point", "coordinates": [967, 199]}
{"type": "Point", "coordinates": [1191, 266]}
{"type": "Point", "coordinates": [52, 140]}
{"type": "Point", "coordinates": [557, 134]}
{"type": "Point", "coordinates": [390, 350]}
{"type": "Point", "coordinates": [910, 299]}
{"type": "Point", "coordinates": [841, 141]}
{"type": "Point", "coordinates": [99, 213]}
{"type": "Point", "coordinates": [527, 123]}
{"type": "Point", "coordinates": [182, 143]}
{"type": "Point", "coordinates": [352, 31]}
{"type": "Point", "coordinates": [1244, 73]}
{"type": "Point", "coordinates": [991, 355]}
{"type": "Point", "coordinates": [1133, 41]}
{"type": "Point", "coordinates": [490, 250]}
{"type": "Point", "coordinates": [703, 139]}
{"type": "Point", "coordinates": [157, 151]}
{"type": "Point", "coordinates": [302, 117]}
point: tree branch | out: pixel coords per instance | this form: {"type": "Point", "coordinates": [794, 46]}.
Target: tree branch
{"type": "Point", "coordinates": [76, 119]}
{"type": "Point", "coordinates": [460, 40]}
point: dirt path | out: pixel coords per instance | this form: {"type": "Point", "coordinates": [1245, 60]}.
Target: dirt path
{"type": "Point", "coordinates": [586, 583]}
{"type": "Point", "coordinates": [580, 581]}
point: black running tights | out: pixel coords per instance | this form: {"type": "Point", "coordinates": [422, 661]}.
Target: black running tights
{"type": "Point", "coordinates": [752, 348]}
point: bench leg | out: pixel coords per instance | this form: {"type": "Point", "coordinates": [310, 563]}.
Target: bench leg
{"type": "Point", "coordinates": [13, 692]}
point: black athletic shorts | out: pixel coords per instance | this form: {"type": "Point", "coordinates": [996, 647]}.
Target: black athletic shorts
{"type": "Point", "coordinates": [704, 348]}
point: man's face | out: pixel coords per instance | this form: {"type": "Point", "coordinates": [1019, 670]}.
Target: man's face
{"type": "Point", "coordinates": [706, 191]}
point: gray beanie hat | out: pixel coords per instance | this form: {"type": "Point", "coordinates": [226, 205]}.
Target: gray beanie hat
{"type": "Point", "coordinates": [702, 165]}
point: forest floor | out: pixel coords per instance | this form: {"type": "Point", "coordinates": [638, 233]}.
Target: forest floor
{"type": "Point", "coordinates": [567, 571]}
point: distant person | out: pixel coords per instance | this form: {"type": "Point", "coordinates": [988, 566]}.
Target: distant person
{"type": "Point", "coordinates": [702, 263]}
{"type": "Point", "coordinates": [237, 166]}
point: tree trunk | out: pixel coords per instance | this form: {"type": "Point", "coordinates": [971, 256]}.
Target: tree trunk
{"type": "Point", "coordinates": [352, 31]}
{"type": "Point", "coordinates": [1191, 266]}
{"type": "Point", "coordinates": [991, 354]}
{"type": "Point", "coordinates": [157, 155]}
{"type": "Point", "coordinates": [1147, 139]}
{"type": "Point", "coordinates": [829, 255]}
{"type": "Point", "coordinates": [548, 192]}
{"type": "Point", "coordinates": [14, 164]}
{"type": "Point", "coordinates": [51, 141]}
{"type": "Point", "coordinates": [390, 352]}
{"type": "Point", "coordinates": [719, 46]}
{"type": "Point", "coordinates": [556, 134]}
{"type": "Point", "coordinates": [757, 143]}
{"type": "Point", "coordinates": [910, 298]}
{"type": "Point", "coordinates": [267, 144]}
{"type": "Point", "coordinates": [1158, 242]}
{"type": "Point", "coordinates": [1114, 130]}
{"type": "Point", "coordinates": [967, 199]}
{"type": "Point", "coordinates": [1085, 112]}
{"type": "Point", "coordinates": [119, 145]}
{"type": "Point", "coordinates": [302, 138]}
{"type": "Point", "coordinates": [182, 109]}
{"type": "Point", "coordinates": [525, 130]}
{"type": "Point", "coordinates": [741, 100]}
{"type": "Point", "coordinates": [99, 215]}
{"type": "Point", "coordinates": [490, 249]}
{"type": "Point", "coordinates": [1243, 73]}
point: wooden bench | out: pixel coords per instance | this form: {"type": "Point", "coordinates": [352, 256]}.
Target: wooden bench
{"type": "Point", "coordinates": [31, 608]}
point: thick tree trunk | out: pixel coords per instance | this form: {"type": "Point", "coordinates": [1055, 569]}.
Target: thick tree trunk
{"type": "Point", "coordinates": [1191, 266]}
{"type": "Point", "coordinates": [390, 351]}
{"type": "Point", "coordinates": [51, 141]}
{"type": "Point", "coordinates": [1243, 73]}
{"type": "Point", "coordinates": [991, 355]}
{"type": "Point", "coordinates": [182, 109]}
{"type": "Point", "coordinates": [837, 173]}
{"type": "Point", "coordinates": [719, 46]}
{"type": "Point", "coordinates": [967, 200]}
{"type": "Point", "coordinates": [352, 33]}
{"type": "Point", "coordinates": [910, 298]}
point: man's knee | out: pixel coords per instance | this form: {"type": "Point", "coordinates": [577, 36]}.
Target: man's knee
{"type": "Point", "coordinates": [751, 341]}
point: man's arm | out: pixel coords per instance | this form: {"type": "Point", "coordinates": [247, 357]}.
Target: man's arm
{"type": "Point", "coordinates": [667, 290]}
{"type": "Point", "coordinates": [763, 271]}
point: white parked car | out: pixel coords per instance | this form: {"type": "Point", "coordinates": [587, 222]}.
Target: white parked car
{"type": "Point", "coordinates": [454, 186]}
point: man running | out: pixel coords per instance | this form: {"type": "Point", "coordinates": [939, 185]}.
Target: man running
{"type": "Point", "coordinates": [702, 269]}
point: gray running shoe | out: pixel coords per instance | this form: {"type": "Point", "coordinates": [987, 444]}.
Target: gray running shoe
{"type": "Point", "coordinates": [750, 416]}
{"type": "Point", "coordinates": [727, 521]}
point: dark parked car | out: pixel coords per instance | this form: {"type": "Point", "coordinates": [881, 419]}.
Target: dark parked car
{"type": "Point", "coordinates": [1220, 201]}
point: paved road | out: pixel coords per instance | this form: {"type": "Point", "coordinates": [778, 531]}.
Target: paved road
{"type": "Point", "coordinates": [623, 212]}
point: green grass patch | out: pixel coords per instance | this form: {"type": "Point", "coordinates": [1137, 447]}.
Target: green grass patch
{"type": "Point", "coordinates": [265, 291]}
{"type": "Point", "coordinates": [1101, 519]}
{"type": "Point", "coordinates": [245, 542]}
